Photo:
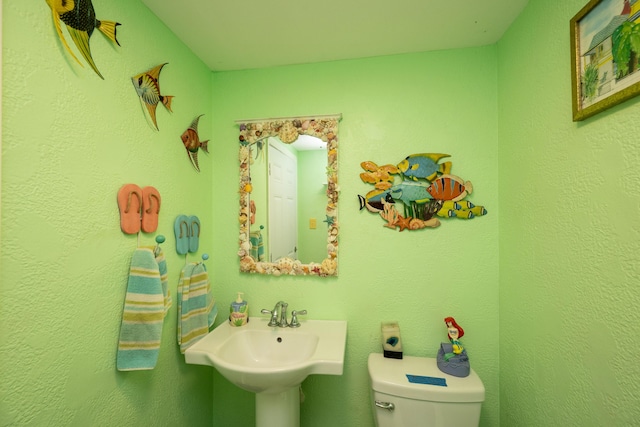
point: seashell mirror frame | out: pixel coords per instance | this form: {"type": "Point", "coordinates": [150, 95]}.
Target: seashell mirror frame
{"type": "Point", "coordinates": [288, 129]}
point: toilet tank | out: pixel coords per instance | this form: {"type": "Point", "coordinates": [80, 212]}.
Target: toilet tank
{"type": "Point", "coordinates": [435, 400]}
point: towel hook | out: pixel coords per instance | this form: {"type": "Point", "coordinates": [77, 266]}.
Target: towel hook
{"type": "Point", "coordinates": [159, 239]}
{"type": "Point", "coordinates": [204, 258]}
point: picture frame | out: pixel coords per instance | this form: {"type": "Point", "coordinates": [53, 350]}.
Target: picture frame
{"type": "Point", "coordinates": [605, 52]}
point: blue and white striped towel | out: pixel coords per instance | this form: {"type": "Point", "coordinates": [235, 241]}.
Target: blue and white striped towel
{"type": "Point", "coordinates": [146, 304]}
{"type": "Point", "coordinates": [196, 306]}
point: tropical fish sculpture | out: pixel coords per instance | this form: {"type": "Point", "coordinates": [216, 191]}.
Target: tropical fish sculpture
{"type": "Point", "coordinates": [80, 19]}
{"type": "Point", "coordinates": [380, 176]}
{"type": "Point", "coordinates": [192, 142]}
{"type": "Point", "coordinates": [374, 200]}
{"type": "Point", "coordinates": [424, 166]}
{"type": "Point", "coordinates": [450, 187]}
{"type": "Point", "coordinates": [413, 196]}
{"type": "Point", "coordinates": [425, 187]}
{"type": "Point", "coordinates": [409, 192]}
{"type": "Point", "coordinates": [460, 209]}
{"type": "Point", "coordinates": [147, 87]}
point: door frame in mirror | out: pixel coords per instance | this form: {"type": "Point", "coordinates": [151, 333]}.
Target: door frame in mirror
{"type": "Point", "coordinates": [288, 129]}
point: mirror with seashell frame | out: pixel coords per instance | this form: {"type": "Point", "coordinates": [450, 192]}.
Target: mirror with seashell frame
{"type": "Point", "coordinates": [253, 137]}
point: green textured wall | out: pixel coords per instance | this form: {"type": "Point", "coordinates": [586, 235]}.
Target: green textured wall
{"type": "Point", "coordinates": [69, 141]}
{"type": "Point", "coordinates": [391, 107]}
{"type": "Point", "coordinates": [569, 238]}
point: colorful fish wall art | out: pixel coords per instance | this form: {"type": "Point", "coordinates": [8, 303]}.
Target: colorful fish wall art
{"type": "Point", "coordinates": [422, 188]}
{"type": "Point", "coordinates": [147, 87]}
{"type": "Point", "coordinates": [192, 142]}
{"type": "Point", "coordinates": [80, 20]}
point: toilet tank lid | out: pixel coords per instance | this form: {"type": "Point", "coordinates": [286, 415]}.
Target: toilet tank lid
{"type": "Point", "coordinates": [390, 376]}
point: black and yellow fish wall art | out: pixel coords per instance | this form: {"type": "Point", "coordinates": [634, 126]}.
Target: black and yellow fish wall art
{"type": "Point", "coordinates": [80, 20]}
{"type": "Point", "coordinates": [422, 187]}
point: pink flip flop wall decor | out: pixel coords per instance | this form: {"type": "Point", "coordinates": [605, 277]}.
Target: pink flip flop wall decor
{"type": "Point", "coordinates": [139, 208]}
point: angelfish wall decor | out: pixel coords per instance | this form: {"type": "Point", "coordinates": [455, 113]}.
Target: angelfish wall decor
{"type": "Point", "coordinates": [192, 142]}
{"type": "Point", "coordinates": [147, 86]}
{"type": "Point", "coordinates": [423, 186]}
{"type": "Point", "coordinates": [80, 19]}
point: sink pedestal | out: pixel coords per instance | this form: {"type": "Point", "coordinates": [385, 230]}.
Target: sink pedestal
{"type": "Point", "coordinates": [278, 409]}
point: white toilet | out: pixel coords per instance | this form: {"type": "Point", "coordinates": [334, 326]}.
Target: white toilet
{"type": "Point", "coordinates": [425, 400]}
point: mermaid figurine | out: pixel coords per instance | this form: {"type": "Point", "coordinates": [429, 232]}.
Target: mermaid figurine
{"type": "Point", "coordinates": [454, 332]}
{"type": "Point", "coordinates": [452, 358]}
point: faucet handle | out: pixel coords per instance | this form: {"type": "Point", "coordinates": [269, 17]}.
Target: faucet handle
{"type": "Point", "coordinates": [273, 321]}
{"type": "Point", "coordinates": [294, 318]}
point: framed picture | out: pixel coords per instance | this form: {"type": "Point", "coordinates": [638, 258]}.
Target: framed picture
{"type": "Point", "coordinates": [605, 48]}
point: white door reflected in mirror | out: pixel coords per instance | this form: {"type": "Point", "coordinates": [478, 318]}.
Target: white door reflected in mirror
{"type": "Point", "coordinates": [282, 237]}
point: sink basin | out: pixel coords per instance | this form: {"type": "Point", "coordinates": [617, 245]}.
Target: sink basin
{"type": "Point", "coordinates": [264, 359]}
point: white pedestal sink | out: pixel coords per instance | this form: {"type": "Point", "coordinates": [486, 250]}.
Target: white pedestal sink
{"type": "Point", "coordinates": [272, 362]}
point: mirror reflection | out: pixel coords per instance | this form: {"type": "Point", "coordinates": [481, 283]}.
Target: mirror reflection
{"type": "Point", "coordinates": [288, 196]}
{"type": "Point", "coordinates": [296, 198]}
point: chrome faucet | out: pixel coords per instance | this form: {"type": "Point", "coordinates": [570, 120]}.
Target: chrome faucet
{"type": "Point", "coordinates": [274, 321]}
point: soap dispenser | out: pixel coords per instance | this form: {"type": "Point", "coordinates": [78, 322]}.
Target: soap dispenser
{"type": "Point", "coordinates": [239, 311]}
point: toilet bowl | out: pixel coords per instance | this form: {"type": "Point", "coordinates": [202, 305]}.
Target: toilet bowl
{"type": "Point", "coordinates": [412, 392]}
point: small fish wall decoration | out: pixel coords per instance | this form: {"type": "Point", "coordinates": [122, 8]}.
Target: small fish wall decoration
{"type": "Point", "coordinates": [424, 166]}
{"type": "Point", "coordinates": [424, 187]}
{"type": "Point", "coordinates": [80, 19]}
{"type": "Point", "coordinates": [147, 86]}
{"type": "Point", "coordinates": [192, 142]}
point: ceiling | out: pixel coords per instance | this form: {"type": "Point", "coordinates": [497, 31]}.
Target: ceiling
{"type": "Point", "coordinates": [245, 34]}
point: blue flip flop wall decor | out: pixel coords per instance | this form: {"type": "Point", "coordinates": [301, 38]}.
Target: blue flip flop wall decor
{"type": "Point", "coordinates": [187, 232]}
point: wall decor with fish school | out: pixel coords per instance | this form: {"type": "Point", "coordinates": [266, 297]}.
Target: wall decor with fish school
{"type": "Point", "coordinates": [420, 187]}
{"type": "Point", "coordinates": [80, 20]}
{"type": "Point", "coordinates": [147, 87]}
{"type": "Point", "coordinates": [192, 143]}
